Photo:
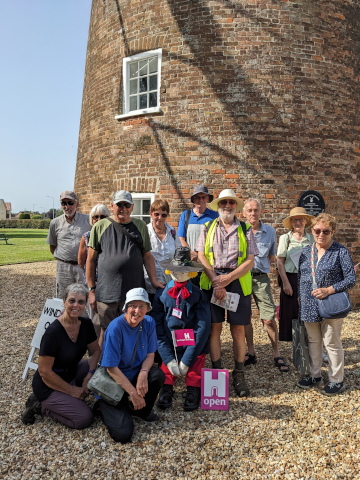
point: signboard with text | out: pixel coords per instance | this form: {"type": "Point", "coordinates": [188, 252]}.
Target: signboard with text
{"type": "Point", "coordinates": [313, 202]}
{"type": "Point", "coordinates": [214, 389]}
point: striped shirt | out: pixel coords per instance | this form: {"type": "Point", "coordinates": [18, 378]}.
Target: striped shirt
{"type": "Point", "coordinates": [226, 245]}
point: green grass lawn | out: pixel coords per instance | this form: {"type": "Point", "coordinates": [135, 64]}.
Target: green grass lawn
{"type": "Point", "coordinates": [24, 246]}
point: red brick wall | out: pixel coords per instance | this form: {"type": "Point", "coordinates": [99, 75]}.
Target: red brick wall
{"type": "Point", "coordinates": [259, 96]}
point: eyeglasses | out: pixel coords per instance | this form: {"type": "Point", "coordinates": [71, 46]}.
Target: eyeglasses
{"type": "Point", "coordinates": [225, 202]}
{"type": "Point", "coordinates": [123, 204]}
{"type": "Point", "coordinates": [69, 202]}
{"type": "Point", "coordinates": [99, 216]}
{"type": "Point", "coordinates": [73, 301]}
{"type": "Point", "coordinates": [201, 197]}
{"type": "Point", "coordinates": [140, 307]}
{"type": "Point", "coordinates": [317, 231]}
{"type": "Point", "coordinates": [163, 215]}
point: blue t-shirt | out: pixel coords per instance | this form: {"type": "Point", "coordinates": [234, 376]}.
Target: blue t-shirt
{"type": "Point", "coordinates": [194, 226]}
{"type": "Point", "coordinates": [119, 343]}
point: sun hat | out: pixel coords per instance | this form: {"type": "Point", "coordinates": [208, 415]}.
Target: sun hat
{"type": "Point", "coordinates": [201, 189]}
{"type": "Point", "coordinates": [227, 194]}
{"type": "Point", "coordinates": [297, 212]}
{"type": "Point", "coordinates": [122, 196]}
{"type": "Point", "coordinates": [136, 294]}
{"type": "Point", "coordinates": [68, 194]}
{"type": "Point", "coordinates": [181, 262]}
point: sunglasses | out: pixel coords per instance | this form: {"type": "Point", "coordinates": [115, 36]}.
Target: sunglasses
{"type": "Point", "coordinates": [123, 204]}
{"type": "Point", "coordinates": [225, 202]}
{"type": "Point", "coordinates": [317, 231]}
{"type": "Point", "coordinates": [73, 300]}
{"type": "Point", "coordinates": [69, 202]}
{"type": "Point", "coordinates": [201, 197]}
{"type": "Point", "coordinates": [163, 215]}
{"type": "Point", "coordinates": [99, 216]}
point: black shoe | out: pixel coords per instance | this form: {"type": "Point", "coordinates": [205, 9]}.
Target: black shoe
{"type": "Point", "coordinates": [192, 399]}
{"type": "Point", "coordinates": [239, 383]}
{"type": "Point", "coordinates": [166, 397]}
{"type": "Point", "coordinates": [33, 407]}
{"type": "Point", "coordinates": [152, 417]}
{"type": "Point", "coordinates": [250, 359]}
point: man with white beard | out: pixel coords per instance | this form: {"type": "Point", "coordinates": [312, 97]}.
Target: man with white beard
{"type": "Point", "coordinates": [227, 248]}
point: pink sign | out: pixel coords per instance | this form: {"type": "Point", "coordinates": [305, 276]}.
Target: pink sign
{"type": "Point", "coordinates": [214, 389]}
{"type": "Point", "coordinates": [183, 337]}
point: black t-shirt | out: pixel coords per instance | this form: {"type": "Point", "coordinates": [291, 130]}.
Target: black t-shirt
{"type": "Point", "coordinates": [56, 343]}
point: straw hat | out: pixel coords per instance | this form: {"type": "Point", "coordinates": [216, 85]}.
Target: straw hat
{"type": "Point", "coordinates": [227, 194]}
{"type": "Point", "coordinates": [297, 212]}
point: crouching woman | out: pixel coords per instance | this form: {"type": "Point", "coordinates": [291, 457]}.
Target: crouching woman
{"type": "Point", "coordinates": [128, 354]}
{"type": "Point", "coordinates": [60, 383]}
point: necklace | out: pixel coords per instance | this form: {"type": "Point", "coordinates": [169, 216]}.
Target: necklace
{"type": "Point", "coordinates": [72, 333]}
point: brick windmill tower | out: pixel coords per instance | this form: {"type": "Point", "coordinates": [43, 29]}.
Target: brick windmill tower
{"type": "Point", "coordinates": [259, 96]}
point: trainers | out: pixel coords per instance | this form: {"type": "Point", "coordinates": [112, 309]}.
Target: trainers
{"type": "Point", "coordinates": [309, 382]}
{"type": "Point", "coordinates": [152, 417]}
{"type": "Point", "coordinates": [333, 388]}
{"type": "Point", "coordinates": [166, 397]}
{"type": "Point", "coordinates": [239, 383]}
{"type": "Point", "coordinates": [192, 399]}
{"type": "Point", "coordinates": [32, 408]}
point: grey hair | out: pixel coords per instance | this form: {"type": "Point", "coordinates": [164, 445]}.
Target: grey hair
{"type": "Point", "coordinates": [253, 200]}
{"type": "Point", "coordinates": [76, 289]}
{"type": "Point", "coordinates": [99, 209]}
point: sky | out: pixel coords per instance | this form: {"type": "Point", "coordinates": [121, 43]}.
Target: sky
{"type": "Point", "coordinates": [42, 57]}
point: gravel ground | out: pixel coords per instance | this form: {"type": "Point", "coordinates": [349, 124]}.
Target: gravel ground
{"type": "Point", "coordinates": [280, 432]}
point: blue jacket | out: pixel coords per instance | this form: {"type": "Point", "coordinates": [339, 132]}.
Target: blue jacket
{"type": "Point", "coordinates": [195, 314]}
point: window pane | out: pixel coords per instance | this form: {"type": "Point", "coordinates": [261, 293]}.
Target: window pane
{"type": "Point", "coordinates": [137, 206]}
{"type": "Point", "coordinates": [133, 69]}
{"type": "Point", "coordinates": [133, 103]}
{"type": "Point", "coordinates": [146, 206]}
{"type": "Point", "coordinates": [143, 84]}
{"type": "Point", "coordinates": [153, 82]}
{"type": "Point", "coordinates": [146, 219]}
{"type": "Point", "coordinates": [153, 65]}
{"type": "Point", "coordinates": [143, 101]}
{"type": "Point", "coordinates": [133, 86]}
{"type": "Point", "coordinates": [153, 99]}
{"type": "Point", "coordinates": [143, 67]}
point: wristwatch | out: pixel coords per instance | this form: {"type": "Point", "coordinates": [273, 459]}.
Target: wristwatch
{"type": "Point", "coordinates": [91, 288]}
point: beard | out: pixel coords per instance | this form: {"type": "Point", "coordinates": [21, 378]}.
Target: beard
{"type": "Point", "coordinates": [226, 217]}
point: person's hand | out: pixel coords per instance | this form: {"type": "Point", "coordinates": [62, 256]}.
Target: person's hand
{"type": "Point", "coordinates": [173, 368]}
{"type": "Point", "coordinates": [137, 401]}
{"type": "Point", "coordinates": [78, 392]}
{"type": "Point", "coordinates": [92, 300]}
{"type": "Point", "coordinates": [193, 256]}
{"type": "Point", "coordinates": [157, 284]}
{"type": "Point", "coordinates": [320, 293]}
{"type": "Point", "coordinates": [183, 369]}
{"type": "Point", "coordinates": [85, 382]}
{"type": "Point", "coordinates": [142, 385]}
{"type": "Point", "coordinates": [222, 281]}
{"type": "Point", "coordinates": [288, 289]}
{"type": "Point", "coordinates": [220, 293]}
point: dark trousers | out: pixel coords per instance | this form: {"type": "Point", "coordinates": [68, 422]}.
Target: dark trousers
{"type": "Point", "coordinates": [70, 411]}
{"type": "Point", "coordinates": [289, 309]}
{"type": "Point", "coordinates": [118, 419]}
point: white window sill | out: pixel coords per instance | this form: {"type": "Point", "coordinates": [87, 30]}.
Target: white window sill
{"type": "Point", "coordinates": [136, 113]}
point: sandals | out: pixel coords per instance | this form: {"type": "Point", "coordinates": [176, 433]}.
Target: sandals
{"type": "Point", "coordinates": [250, 359]}
{"type": "Point", "coordinates": [281, 364]}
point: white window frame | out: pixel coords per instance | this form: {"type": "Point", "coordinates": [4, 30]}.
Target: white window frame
{"type": "Point", "coordinates": [143, 196]}
{"type": "Point", "coordinates": [126, 84]}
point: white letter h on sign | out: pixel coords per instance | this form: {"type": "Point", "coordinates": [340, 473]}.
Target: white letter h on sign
{"type": "Point", "coordinates": [214, 387]}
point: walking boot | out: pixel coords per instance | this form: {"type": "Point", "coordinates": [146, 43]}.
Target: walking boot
{"type": "Point", "coordinates": [166, 397]}
{"type": "Point", "coordinates": [32, 408]}
{"type": "Point", "coordinates": [239, 383]}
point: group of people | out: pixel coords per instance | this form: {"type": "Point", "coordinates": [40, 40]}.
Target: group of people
{"type": "Point", "coordinates": [141, 283]}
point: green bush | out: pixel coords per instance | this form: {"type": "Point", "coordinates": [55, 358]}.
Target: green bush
{"type": "Point", "coordinates": [38, 224]}
{"type": "Point", "coordinates": [24, 216]}
{"type": "Point", "coordinates": [36, 217]}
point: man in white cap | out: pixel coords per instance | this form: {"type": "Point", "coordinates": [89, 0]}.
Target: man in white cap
{"type": "Point", "coordinates": [227, 248]}
{"type": "Point", "coordinates": [121, 245]}
{"type": "Point", "coordinates": [265, 237]}
{"type": "Point", "coordinates": [64, 236]}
